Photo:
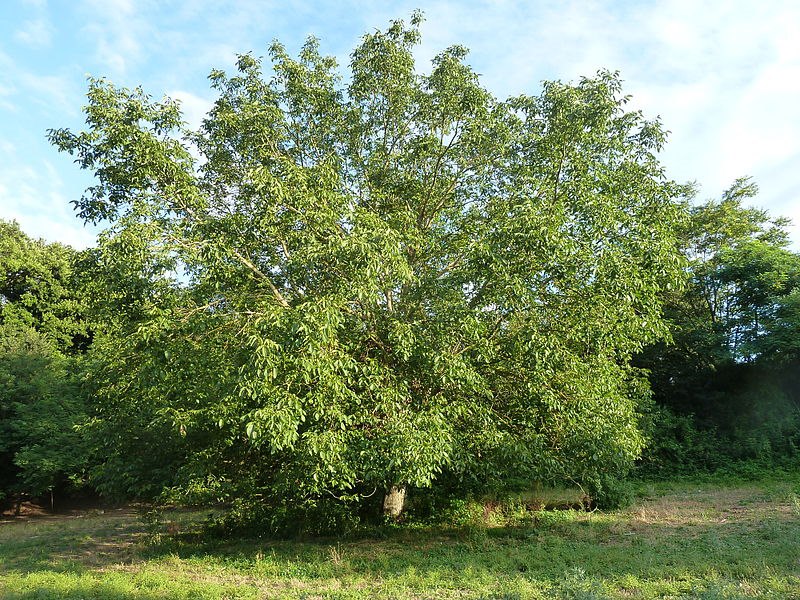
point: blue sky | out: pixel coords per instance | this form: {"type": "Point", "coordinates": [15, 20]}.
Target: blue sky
{"type": "Point", "coordinates": [724, 75]}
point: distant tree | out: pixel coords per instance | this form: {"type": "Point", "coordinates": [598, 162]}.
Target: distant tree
{"type": "Point", "coordinates": [38, 289]}
{"type": "Point", "coordinates": [43, 330]}
{"type": "Point", "coordinates": [734, 328]}
{"type": "Point", "coordinates": [41, 406]}
{"type": "Point", "coordinates": [740, 266]}
{"type": "Point", "coordinates": [384, 279]}
{"type": "Point", "coordinates": [761, 280]}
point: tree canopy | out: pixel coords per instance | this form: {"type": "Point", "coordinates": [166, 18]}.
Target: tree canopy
{"type": "Point", "coordinates": [343, 283]}
{"type": "Point", "coordinates": [39, 290]}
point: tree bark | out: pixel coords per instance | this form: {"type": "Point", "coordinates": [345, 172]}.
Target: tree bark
{"type": "Point", "coordinates": [394, 501]}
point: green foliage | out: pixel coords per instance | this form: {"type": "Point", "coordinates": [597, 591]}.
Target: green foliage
{"type": "Point", "coordinates": [39, 289]}
{"type": "Point", "coordinates": [314, 517]}
{"type": "Point", "coordinates": [612, 493]}
{"type": "Point", "coordinates": [726, 385]}
{"type": "Point", "coordinates": [763, 279]}
{"type": "Point", "coordinates": [388, 278]}
{"type": "Point", "coordinates": [677, 447]}
{"type": "Point", "coordinates": [41, 404]}
{"type": "Point", "coordinates": [44, 328]}
{"type": "Point", "coordinates": [750, 415]}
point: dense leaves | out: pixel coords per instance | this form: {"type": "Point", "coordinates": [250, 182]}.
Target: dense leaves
{"type": "Point", "coordinates": [43, 329]}
{"type": "Point", "coordinates": [39, 289]}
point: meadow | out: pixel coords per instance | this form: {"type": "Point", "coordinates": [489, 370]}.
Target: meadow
{"type": "Point", "coordinates": [680, 539]}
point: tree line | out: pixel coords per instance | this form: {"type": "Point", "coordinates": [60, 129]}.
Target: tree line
{"type": "Point", "coordinates": [344, 290]}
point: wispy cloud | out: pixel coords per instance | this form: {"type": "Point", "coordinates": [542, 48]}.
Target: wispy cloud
{"type": "Point", "coordinates": [36, 33]}
{"type": "Point", "coordinates": [54, 93]}
{"type": "Point", "coordinates": [118, 31]}
{"type": "Point", "coordinates": [19, 88]}
{"type": "Point", "coordinates": [7, 92]}
{"type": "Point", "coordinates": [34, 196]}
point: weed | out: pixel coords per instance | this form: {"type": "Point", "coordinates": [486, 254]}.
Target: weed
{"type": "Point", "coordinates": [336, 554]}
{"type": "Point", "coordinates": [795, 500]}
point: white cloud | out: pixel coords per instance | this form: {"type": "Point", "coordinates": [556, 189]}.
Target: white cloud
{"type": "Point", "coordinates": [54, 93]}
{"type": "Point", "coordinates": [36, 33]}
{"type": "Point", "coordinates": [7, 87]}
{"type": "Point", "coordinates": [774, 91]}
{"type": "Point", "coordinates": [5, 103]}
{"type": "Point", "coordinates": [7, 149]}
{"type": "Point", "coordinates": [119, 31]}
{"type": "Point", "coordinates": [20, 87]}
{"type": "Point", "coordinates": [36, 200]}
{"type": "Point", "coordinates": [193, 107]}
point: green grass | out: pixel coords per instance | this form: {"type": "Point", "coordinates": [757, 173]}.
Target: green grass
{"type": "Point", "coordinates": [686, 539]}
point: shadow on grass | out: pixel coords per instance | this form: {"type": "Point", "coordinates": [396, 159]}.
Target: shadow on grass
{"type": "Point", "coordinates": [75, 543]}
{"type": "Point", "coordinates": [607, 547]}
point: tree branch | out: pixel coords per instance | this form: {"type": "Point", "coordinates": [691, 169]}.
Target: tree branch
{"type": "Point", "coordinates": [258, 272]}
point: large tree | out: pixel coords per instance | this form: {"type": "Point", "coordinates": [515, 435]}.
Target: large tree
{"type": "Point", "coordinates": [371, 282]}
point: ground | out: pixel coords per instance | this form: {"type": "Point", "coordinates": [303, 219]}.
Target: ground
{"type": "Point", "coordinates": [679, 540]}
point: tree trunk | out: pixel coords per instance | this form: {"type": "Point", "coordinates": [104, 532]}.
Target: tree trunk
{"type": "Point", "coordinates": [394, 501]}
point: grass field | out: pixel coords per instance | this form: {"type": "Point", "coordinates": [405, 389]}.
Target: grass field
{"type": "Point", "coordinates": [679, 540]}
